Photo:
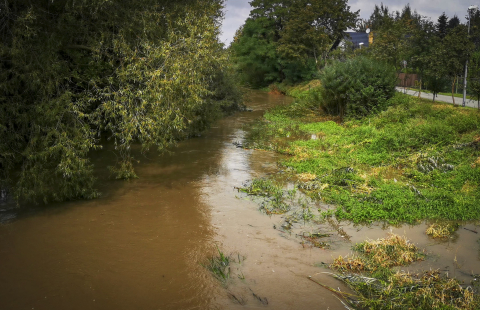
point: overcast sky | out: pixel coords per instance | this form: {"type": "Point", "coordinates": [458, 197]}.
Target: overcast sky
{"type": "Point", "coordinates": [238, 10]}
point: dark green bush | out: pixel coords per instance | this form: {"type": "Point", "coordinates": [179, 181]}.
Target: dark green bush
{"type": "Point", "coordinates": [357, 87]}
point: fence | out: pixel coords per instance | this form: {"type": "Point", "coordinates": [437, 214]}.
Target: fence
{"type": "Point", "coordinates": [407, 80]}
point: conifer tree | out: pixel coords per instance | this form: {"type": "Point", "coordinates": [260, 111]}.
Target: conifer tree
{"type": "Point", "coordinates": [441, 25]}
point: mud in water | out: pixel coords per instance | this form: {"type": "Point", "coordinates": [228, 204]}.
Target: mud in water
{"type": "Point", "coordinates": [142, 244]}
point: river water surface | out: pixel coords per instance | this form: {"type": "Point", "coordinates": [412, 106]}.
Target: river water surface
{"type": "Point", "coordinates": [141, 245]}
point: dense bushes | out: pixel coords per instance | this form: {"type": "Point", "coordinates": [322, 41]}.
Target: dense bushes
{"type": "Point", "coordinates": [357, 87]}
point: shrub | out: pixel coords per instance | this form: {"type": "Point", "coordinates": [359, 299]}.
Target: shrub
{"type": "Point", "coordinates": [357, 87]}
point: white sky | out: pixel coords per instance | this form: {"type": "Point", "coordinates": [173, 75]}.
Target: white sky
{"type": "Point", "coordinates": [236, 11]}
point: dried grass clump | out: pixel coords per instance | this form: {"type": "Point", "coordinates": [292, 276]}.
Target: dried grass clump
{"type": "Point", "coordinates": [382, 288]}
{"type": "Point", "coordinates": [430, 290]}
{"type": "Point", "coordinates": [353, 263]}
{"type": "Point", "coordinates": [401, 290]}
{"type": "Point", "coordinates": [441, 230]}
{"type": "Point", "coordinates": [388, 252]}
{"type": "Point", "coordinates": [305, 177]}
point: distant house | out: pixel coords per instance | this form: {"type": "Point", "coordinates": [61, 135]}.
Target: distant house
{"type": "Point", "coordinates": [356, 40]}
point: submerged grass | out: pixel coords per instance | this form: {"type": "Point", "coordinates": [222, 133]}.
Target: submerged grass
{"type": "Point", "coordinates": [220, 265]}
{"type": "Point", "coordinates": [414, 161]}
{"type": "Point", "coordinates": [276, 200]}
{"type": "Point", "coordinates": [368, 273]}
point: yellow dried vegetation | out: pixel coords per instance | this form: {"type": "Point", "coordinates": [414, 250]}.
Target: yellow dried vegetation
{"type": "Point", "coordinates": [299, 153]}
{"type": "Point", "coordinates": [476, 163]}
{"type": "Point", "coordinates": [305, 177]}
{"type": "Point", "coordinates": [441, 230]}
{"type": "Point", "coordinates": [392, 251]}
{"type": "Point", "coordinates": [352, 263]}
{"type": "Point", "coordinates": [387, 252]}
{"type": "Point", "coordinates": [439, 291]}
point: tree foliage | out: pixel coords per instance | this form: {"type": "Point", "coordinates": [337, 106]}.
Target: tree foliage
{"type": "Point", "coordinates": [286, 40]}
{"type": "Point", "coordinates": [474, 76]}
{"type": "Point", "coordinates": [357, 87]}
{"type": "Point", "coordinates": [441, 25]}
{"type": "Point", "coordinates": [75, 73]}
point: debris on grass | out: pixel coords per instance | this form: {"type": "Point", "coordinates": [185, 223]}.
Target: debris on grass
{"type": "Point", "coordinates": [382, 253]}
{"type": "Point", "coordinates": [352, 263]}
{"type": "Point", "coordinates": [387, 252]}
{"type": "Point", "coordinates": [368, 273]}
{"type": "Point", "coordinates": [314, 240]}
{"type": "Point", "coordinates": [428, 290]}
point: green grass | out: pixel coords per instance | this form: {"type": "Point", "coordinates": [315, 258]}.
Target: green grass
{"type": "Point", "coordinates": [276, 200]}
{"type": "Point", "coordinates": [219, 266]}
{"type": "Point", "coordinates": [414, 161]}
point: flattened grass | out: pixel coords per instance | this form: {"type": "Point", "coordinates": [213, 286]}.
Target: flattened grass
{"type": "Point", "coordinates": [414, 161]}
{"type": "Point", "coordinates": [383, 253]}
{"type": "Point", "coordinates": [368, 273]}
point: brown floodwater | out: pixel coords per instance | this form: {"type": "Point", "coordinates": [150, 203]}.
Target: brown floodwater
{"type": "Point", "coordinates": [142, 244]}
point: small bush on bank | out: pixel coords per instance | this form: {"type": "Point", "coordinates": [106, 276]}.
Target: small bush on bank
{"type": "Point", "coordinates": [357, 87]}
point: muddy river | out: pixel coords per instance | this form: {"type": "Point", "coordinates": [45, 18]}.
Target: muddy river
{"type": "Point", "coordinates": [142, 244]}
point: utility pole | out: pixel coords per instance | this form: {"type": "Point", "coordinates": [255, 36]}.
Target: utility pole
{"type": "Point", "coordinates": [472, 8]}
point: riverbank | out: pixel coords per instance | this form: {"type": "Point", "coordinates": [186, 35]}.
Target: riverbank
{"type": "Point", "coordinates": [414, 154]}
{"type": "Point", "coordinates": [416, 163]}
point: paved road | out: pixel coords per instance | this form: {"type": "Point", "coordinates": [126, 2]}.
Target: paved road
{"type": "Point", "coordinates": [448, 99]}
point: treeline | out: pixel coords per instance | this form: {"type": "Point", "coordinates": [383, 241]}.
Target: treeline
{"type": "Point", "coordinates": [76, 74]}
{"type": "Point", "coordinates": [286, 41]}
{"type": "Point", "coordinates": [435, 50]}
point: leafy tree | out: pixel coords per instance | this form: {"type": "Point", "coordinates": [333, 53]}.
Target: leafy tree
{"type": "Point", "coordinates": [456, 48]}
{"type": "Point", "coordinates": [453, 23]}
{"type": "Point", "coordinates": [285, 40]}
{"type": "Point", "coordinates": [436, 70]}
{"type": "Point", "coordinates": [421, 47]}
{"type": "Point", "coordinates": [391, 44]}
{"type": "Point", "coordinates": [380, 17]}
{"type": "Point", "coordinates": [312, 26]}
{"type": "Point", "coordinates": [474, 75]}
{"type": "Point", "coordinates": [255, 52]}
{"type": "Point", "coordinates": [475, 29]}
{"type": "Point", "coordinates": [74, 73]}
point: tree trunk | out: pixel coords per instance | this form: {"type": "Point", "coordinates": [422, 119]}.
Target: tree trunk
{"type": "Point", "coordinates": [453, 89]}
{"type": "Point", "coordinates": [420, 89]}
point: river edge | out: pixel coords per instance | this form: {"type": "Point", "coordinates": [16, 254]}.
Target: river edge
{"type": "Point", "coordinates": [457, 256]}
{"type": "Point", "coordinates": [142, 244]}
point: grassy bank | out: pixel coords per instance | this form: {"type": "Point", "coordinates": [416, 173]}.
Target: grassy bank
{"type": "Point", "coordinates": [415, 161]}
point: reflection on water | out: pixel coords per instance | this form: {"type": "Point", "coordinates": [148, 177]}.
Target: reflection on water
{"type": "Point", "coordinates": [138, 247]}
{"type": "Point", "coordinates": [141, 245]}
